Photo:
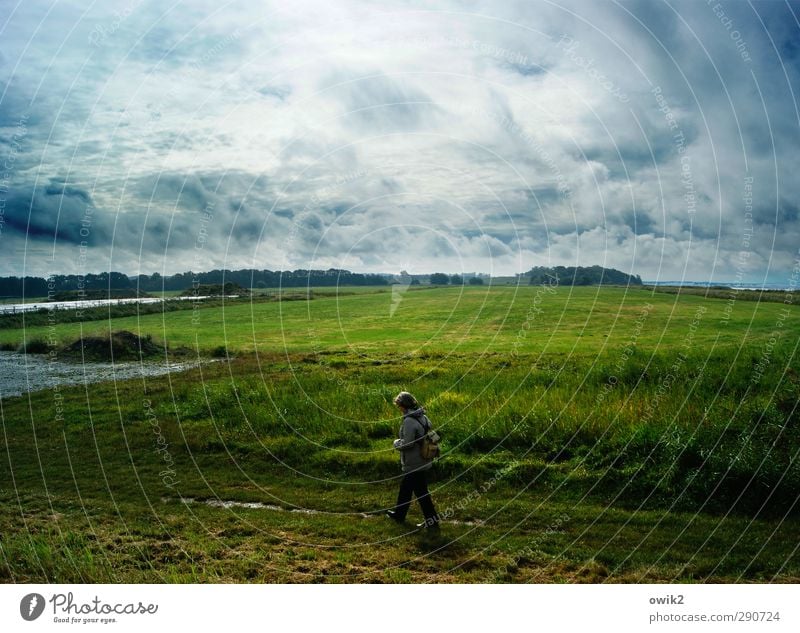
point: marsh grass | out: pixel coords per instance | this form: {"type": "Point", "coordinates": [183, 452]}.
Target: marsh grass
{"type": "Point", "coordinates": [645, 457]}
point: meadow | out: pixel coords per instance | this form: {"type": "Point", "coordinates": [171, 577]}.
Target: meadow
{"type": "Point", "coordinates": [590, 435]}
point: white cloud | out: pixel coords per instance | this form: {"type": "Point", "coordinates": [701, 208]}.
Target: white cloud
{"type": "Point", "coordinates": [487, 137]}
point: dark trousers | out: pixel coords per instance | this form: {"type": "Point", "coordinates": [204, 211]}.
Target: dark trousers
{"type": "Point", "coordinates": [415, 483]}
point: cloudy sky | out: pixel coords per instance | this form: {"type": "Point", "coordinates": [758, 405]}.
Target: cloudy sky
{"type": "Point", "coordinates": [659, 138]}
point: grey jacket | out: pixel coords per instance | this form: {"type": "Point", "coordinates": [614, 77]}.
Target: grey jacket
{"type": "Point", "coordinates": [411, 433]}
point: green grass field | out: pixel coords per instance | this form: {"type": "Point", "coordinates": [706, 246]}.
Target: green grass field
{"type": "Point", "coordinates": [572, 321]}
{"type": "Point", "coordinates": [590, 435]}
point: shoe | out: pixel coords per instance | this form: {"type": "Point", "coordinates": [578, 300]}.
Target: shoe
{"type": "Point", "coordinates": [394, 516]}
{"type": "Point", "coordinates": [428, 525]}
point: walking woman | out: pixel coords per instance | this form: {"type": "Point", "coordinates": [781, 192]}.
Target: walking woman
{"type": "Point", "coordinates": [415, 467]}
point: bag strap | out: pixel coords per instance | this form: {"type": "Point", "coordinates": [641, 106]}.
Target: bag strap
{"type": "Point", "coordinates": [425, 428]}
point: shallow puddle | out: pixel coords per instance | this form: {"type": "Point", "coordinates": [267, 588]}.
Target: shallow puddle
{"type": "Point", "coordinates": [21, 373]}
{"type": "Point", "coordinates": [257, 505]}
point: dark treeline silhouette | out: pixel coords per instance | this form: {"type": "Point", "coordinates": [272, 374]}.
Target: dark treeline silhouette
{"type": "Point", "coordinates": [580, 276]}
{"type": "Point", "coordinates": [251, 278]}
{"type": "Point", "coordinates": [57, 285]}
{"type": "Point", "coordinates": [442, 279]}
{"type": "Point", "coordinates": [247, 278]}
{"type": "Point", "coordinates": [215, 290]}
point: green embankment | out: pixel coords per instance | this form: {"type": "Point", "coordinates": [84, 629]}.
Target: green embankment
{"type": "Point", "coordinates": [531, 320]}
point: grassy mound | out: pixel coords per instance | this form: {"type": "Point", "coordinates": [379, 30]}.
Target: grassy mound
{"type": "Point", "coordinates": [121, 345]}
{"type": "Point", "coordinates": [33, 346]}
{"type": "Point", "coordinates": [103, 293]}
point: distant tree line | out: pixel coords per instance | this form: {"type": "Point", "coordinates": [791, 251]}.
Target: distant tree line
{"type": "Point", "coordinates": [215, 290]}
{"type": "Point", "coordinates": [59, 285]}
{"type": "Point", "coordinates": [442, 279]}
{"type": "Point", "coordinates": [247, 278]}
{"type": "Point", "coordinates": [251, 278]}
{"type": "Point", "coordinates": [580, 276]}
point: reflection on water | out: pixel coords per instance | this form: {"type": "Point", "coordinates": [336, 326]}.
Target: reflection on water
{"type": "Point", "coordinates": [16, 308]}
{"type": "Point", "coordinates": [21, 373]}
{"type": "Point", "coordinates": [257, 505]}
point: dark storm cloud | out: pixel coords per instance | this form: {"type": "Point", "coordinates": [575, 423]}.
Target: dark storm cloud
{"type": "Point", "coordinates": [185, 191]}
{"type": "Point", "coordinates": [15, 106]}
{"type": "Point", "coordinates": [783, 215]}
{"type": "Point", "coordinates": [788, 212]}
{"type": "Point", "coordinates": [55, 212]}
{"type": "Point", "coordinates": [640, 223]}
{"type": "Point", "coordinates": [66, 215]}
{"type": "Point", "coordinates": [543, 195]}
{"type": "Point", "coordinates": [245, 224]}
{"type": "Point", "coordinates": [156, 233]}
